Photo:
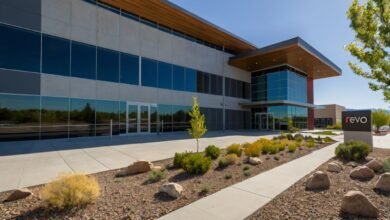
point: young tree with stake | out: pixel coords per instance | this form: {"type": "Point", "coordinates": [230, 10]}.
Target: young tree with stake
{"type": "Point", "coordinates": [198, 126]}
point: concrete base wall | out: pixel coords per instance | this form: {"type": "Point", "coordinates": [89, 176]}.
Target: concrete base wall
{"type": "Point", "coordinates": [359, 136]}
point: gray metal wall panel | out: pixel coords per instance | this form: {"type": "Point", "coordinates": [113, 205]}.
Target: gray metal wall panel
{"type": "Point", "coordinates": [19, 82]}
{"type": "Point", "coordinates": [22, 13]}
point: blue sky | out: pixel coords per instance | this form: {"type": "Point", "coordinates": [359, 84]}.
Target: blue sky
{"type": "Point", "coordinates": [321, 23]}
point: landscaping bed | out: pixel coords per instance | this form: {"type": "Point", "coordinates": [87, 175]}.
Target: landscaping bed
{"type": "Point", "coordinates": [133, 197]}
{"type": "Point", "coordinates": [299, 203]}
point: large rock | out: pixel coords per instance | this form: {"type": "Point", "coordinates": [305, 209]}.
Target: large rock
{"type": "Point", "coordinates": [375, 165]}
{"type": "Point", "coordinates": [172, 189]}
{"type": "Point", "coordinates": [356, 203]}
{"type": "Point", "coordinates": [362, 173]}
{"type": "Point", "coordinates": [318, 181]}
{"type": "Point", "coordinates": [383, 183]}
{"type": "Point", "coordinates": [254, 160]}
{"type": "Point", "coordinates": [334, 167]}
{"type": "Point", "coordinates": [141, 166]}
{"type": "Point", "coordinates": [18, 194]}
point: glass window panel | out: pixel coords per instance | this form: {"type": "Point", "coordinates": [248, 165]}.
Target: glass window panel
{"type": "Point", "coordinates": [164, 75]}
{"type": "Point", "coordinates": [19, 117]}
{"type": "Point", "coordinates": [83, 60]}
{"type": "Point", "coordinates": [149, 72]}
{"type": "Point", "coordinates": [129, 69]}
{"type": "Point", "coordinates": [144, 117]}
{"type": "Point", "coordinates": [179, 118]}
{"type": "Point", "coordinates": [132, 117]}
{"type": "Point", "coordinates": [82, 118]}
{"type": "Point", "coordinates": [200, 81]}
{"type": "Point", "coordinates": [206, 78]}
{"type": "Point", "coordinates": [19, 49]}
{"type": "Point", "coordinates": [153, 118]}
{"type": "Point", "coordinates": [122, 117]}
{"type": "Point", "coordinates": [165, 116]}
{"type": "Point", "coordinates": [233, 88]}
{"type": "Point", "coordinates": [55, 55]}
{"type": "Point", "coordinates": [179, 78]}
{"type": "Point", "coordinates": [107, 111]}
{"type": "Point", "coordinates": [213, 84]}
{"type": "Point", "coordinates": [227, 87]}
{"type": "Point", "coordinates": [107, 65]}
{"type": "Point", "coordinates": [219, 85]}
{"type": "Point", "coordinates": [240, 89]}
{"type": "Point", "coordinates": [191, 80]}
{"type": "Point", "coordinates": [54, 117]}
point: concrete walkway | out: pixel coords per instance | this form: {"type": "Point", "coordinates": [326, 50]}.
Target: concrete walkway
{"type": "Point", "coordinates": [242, 199]}
{"type": "Point", "coordinates": [30, 163]}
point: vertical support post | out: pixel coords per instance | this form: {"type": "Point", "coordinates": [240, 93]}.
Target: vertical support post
{"type": "Point", "coordinates": [111, 128]}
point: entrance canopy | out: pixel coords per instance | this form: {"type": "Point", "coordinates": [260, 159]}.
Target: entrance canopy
{"type": "Point", "coordinates": [294, 52]}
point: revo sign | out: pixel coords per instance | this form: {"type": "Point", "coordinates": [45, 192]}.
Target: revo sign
{"type": "Point", "coordinates": [356, 120]}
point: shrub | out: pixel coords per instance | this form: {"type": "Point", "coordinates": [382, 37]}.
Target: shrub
{"type": "Point", "coordinates": [276, 158]}
{"type": "Point", "coordinates": [247, 173]}
{"type": "Point", "coordinates": [270, 148]}
{"type": "Point", "coordinates": [386, 164]}
{"type": "Point", "coordinates": [353, 150]}
{"type": "Point", "coordinates": [298, 137]}
{"type": "Point", "coordinates": [70, 190]}
{"type": "Point", "coordinates": [222, 163]}
{"type": "Point", "coordinates": [310, 144]}
{"type": "Point", "coordinates": [228, 176]}
{"type": "Point", "coordinates": [290, 137]}
{"type": "Point", "coordinates": [253, 150]}
{"type": "Point", "coordinates": [246, 168]}
{"type": "Point", "coordinates": [196, 163]}
{"type": "Point", "coordinates": [204, 189]}
{"type": "Point", "coordinates": [212, 151]}
{"type": "Point", "coordinates": [234, 149]}
{"type": "Point", "coordinates": [178, 159]}
{"type": "Point", "coordinates": [231, 158]}
{"type": "Point", "coordinates": [328, 139]}
{"type": "Point", "coordinates": [157, 175]}
{"type": "Point", "coordinates": [292, 146]}
{"type": "Point", "coordinates": [319, 140]}
{"type": "Point", "coordinates": [245, 145]}
{"type": "Point", "coordinates": [281, 146]}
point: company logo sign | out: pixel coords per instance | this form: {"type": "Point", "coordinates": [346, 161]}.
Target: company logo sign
{"type": "Point", "coordinates": [356, 120]}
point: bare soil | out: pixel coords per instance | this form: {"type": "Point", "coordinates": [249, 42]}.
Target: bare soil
{"type": "Point", "coordinates": [133, 197]}
{"type": "Point", "coordinates": [298, 203]}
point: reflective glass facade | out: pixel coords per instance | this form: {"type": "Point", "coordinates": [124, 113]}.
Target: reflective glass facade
{"type": "Point", "coordinates": [281, 84]}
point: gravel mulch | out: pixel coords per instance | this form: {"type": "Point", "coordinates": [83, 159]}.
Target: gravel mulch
{"type": "Point", "coordinates": [298, 203]}
{"type": "Point", "coordinates": [133, 197]}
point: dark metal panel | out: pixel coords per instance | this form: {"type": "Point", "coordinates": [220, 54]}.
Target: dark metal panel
{"type": "Point", "coordinates": [22, 13]}
{"type": "Point", "coordinates": [19, 82]}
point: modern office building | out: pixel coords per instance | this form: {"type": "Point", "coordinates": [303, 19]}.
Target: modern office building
{"type": "Point", "coordinates": [327, 115]}
{"type": "Point", "coordinates": [68, 68]}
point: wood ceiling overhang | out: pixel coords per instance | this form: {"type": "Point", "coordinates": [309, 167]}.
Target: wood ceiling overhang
{"type": "Point", "coordinates": [168, 14]}
{"type": "Point", "coordinates": [294, 52]}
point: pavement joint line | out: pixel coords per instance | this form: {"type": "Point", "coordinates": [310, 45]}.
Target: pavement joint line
{"type": "Point", "coordinates": [86, 152]}
{"type": "Point", "coordinates": [247, 191]}
{"type": "Point", "coordinates": [124, 153]}
{"type": "Point", "coordinates": [66, 162]}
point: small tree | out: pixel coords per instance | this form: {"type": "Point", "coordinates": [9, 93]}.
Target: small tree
{"type": "Point", "coordinates": [371, 23]}
{"type": "Point", "coordinates": [380, 118]}
{"type": "Point", "coordinates": [198, 127]}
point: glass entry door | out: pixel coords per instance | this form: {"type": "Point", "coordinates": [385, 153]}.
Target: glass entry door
{"type": "Point", "coordinates": [144, 118]}
{"type": "Point", "coordinates": [265, 121]}
{"type": "Point", "coordinates": [132, 118]}
{"type": "Point", "coordinates": [139, 116]}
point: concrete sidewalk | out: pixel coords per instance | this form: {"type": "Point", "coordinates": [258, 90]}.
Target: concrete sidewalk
{"type": "Point", "coordinates": [242, 199]}
{"type": "Point", "coordinates": [30, 163]}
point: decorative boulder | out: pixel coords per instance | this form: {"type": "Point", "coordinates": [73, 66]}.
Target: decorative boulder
{"type": "Point", "coordinates": [334, 167]}
{"type": "Point", "coordinates": [356, 203]}
{"type": "Point", "coordinates": [18, 194]}
{"type": "Point", "coordinates": [254, 160]}
{"type": "Point", "coordinates": [352, 164]}
{"type": "Point", "coordinates": [383, 183]}
{"type": "Point", "coordinates": [375, 165]}
{"type": "Point", "coordinates": [362, 173]}
{"type": "Point", "coordinates": [141, 166]}
{"type": "Point", "coordinates": [318, 181]}
{"type": "Point", "coordinates": [172, 189]}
